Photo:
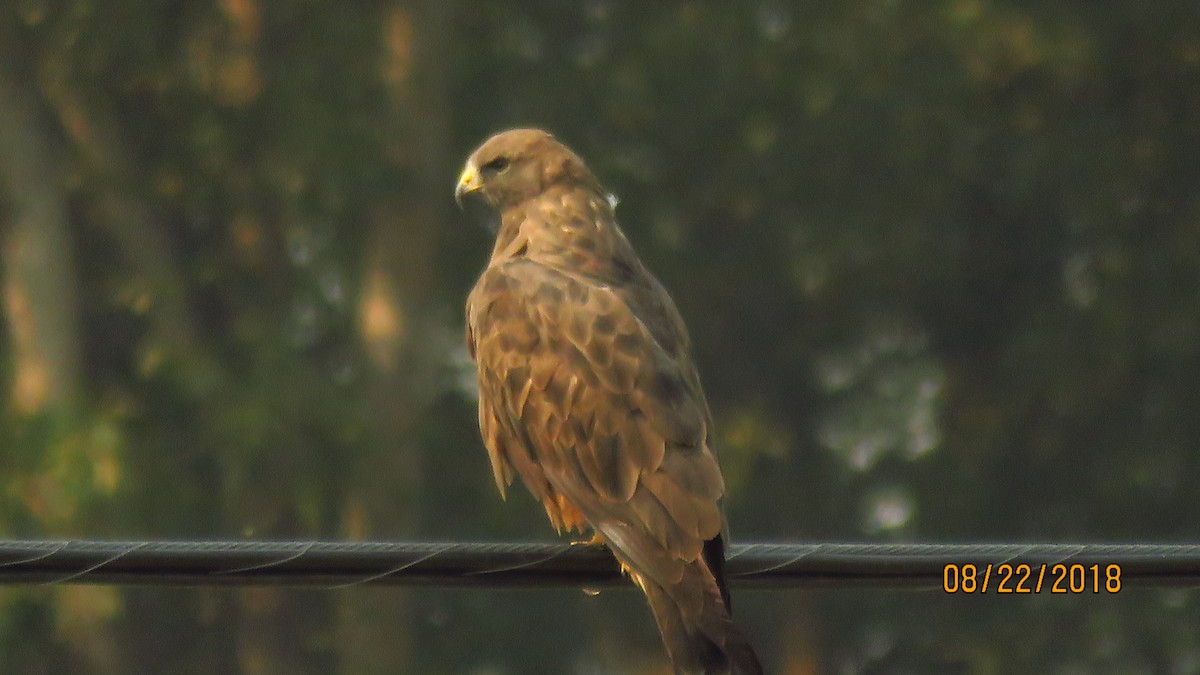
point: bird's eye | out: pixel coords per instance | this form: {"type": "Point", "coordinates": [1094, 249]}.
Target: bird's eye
{"type": "Point", "coordinates": [495, 166]}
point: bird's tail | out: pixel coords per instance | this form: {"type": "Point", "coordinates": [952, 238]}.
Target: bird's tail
{"type": "Point", "coordinates": [697, 625]}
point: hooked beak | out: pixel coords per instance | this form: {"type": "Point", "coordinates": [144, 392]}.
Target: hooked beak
{"type": "Point", "coordinates": [468, 182]}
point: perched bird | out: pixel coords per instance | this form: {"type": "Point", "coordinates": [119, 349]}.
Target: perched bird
{"type": "Point", "coordinates": [588, 393]}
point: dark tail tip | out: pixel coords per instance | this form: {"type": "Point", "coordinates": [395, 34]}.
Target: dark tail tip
{"type": "Point", "coordinates": [742, 659]}
{"type": "Point", "coordinates": [693, 651]}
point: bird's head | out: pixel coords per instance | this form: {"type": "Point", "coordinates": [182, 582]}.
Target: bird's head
{"type": "Point", "coordinates": [517, 165]}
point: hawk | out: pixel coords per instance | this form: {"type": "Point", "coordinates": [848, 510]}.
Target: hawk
{"type": "Point", "coordinates": [587, 392]}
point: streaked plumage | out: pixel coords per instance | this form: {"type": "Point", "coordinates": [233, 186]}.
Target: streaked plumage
{"type": "Point", "coordinates": [587, 391]}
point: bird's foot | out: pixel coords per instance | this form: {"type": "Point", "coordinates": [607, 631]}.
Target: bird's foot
{"type": "Point", "coordinates": [594, 540]}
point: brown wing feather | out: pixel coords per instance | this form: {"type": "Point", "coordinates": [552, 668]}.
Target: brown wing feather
{"type": "Point", "coordinates": [602, 427]}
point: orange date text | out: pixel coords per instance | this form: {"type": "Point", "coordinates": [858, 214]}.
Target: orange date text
{"type": "Point", "coordinates": [1022, 578]}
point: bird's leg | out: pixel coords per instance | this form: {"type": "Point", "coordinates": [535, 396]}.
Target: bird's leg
{"type": "Point", "coordinates": [594, 540]}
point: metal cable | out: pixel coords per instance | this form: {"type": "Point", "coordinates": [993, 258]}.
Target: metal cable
{"type": "Point", "coordinates": [498, 565]}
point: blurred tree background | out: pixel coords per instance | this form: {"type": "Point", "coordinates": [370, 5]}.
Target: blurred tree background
{"type": "Point", "coordinates": [940, 260]}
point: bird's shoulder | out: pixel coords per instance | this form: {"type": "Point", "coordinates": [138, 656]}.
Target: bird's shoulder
{"type": "Point", "coordinates": [590, 306]}
{"type": "Point", "coordinates": [564, 249]}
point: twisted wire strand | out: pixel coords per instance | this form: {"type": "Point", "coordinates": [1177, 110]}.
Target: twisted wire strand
{"type": "Point", "coordinates": [503, 565]}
